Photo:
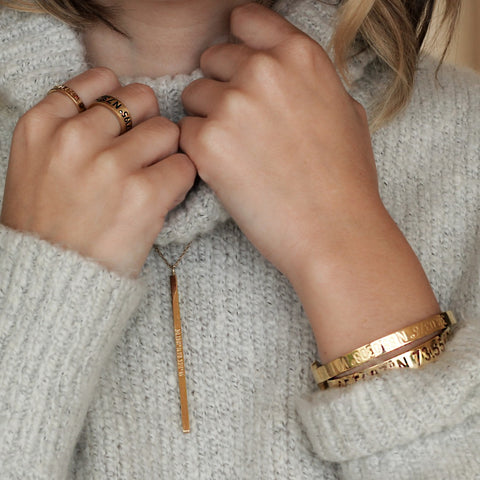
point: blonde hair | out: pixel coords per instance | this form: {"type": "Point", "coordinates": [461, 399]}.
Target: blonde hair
{"type": "Point", "coordinates": [77, 13]}
{"type": "Point", "coordinates": [394, 29]}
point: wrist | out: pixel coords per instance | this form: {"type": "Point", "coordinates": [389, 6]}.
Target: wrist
{"type": "Point", "coordinates": [367, 285]}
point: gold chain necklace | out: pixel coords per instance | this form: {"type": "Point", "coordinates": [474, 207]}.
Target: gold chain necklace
{"type": "Point", "coordinates": [177, 321]}
{"type": "Point", "coordinates": [177, 327]}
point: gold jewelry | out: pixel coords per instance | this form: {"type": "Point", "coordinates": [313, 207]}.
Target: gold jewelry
{"type": "Point", "coordinates": [118, 108]}
{"type": "Point", "coordinates": [71, 94]}
{"type": "Point", "coordinates": [427, 352]}
{"type": "Point", "coordinates": [382, 346]}
{"type": "Point", "coordinates": [177, 326]}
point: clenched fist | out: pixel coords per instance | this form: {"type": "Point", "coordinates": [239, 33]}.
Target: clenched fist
{"type": "Point", "coordinates": [74, 180]}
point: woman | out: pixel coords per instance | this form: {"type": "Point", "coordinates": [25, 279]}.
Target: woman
{"type": "Point", "coordinates": [290, 232]}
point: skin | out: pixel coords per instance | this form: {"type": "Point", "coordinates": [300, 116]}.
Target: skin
{"type": "Point", "coordinates": [165, 37]}
{"type": "Point", "coordinates": [271, 130]}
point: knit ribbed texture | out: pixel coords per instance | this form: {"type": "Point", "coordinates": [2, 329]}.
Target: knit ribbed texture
{"type": "Point", "coordinates": [51, 353]}
{"type": "Point", "coordinates": [62, 56]}
{"type": "Point", "coordinates": [67, 345]}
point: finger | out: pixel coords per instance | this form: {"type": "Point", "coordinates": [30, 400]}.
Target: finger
{"type": "Point", "coordinates": [152, 140]}
{"type": "Point", "coordinates": [190, 138]}
{"type": "Point", "coordinates": [222, 61]}
{"type": "Point", "coordinates": [199, 139]}
{"type": "Point", "coordinates": [88, 86]}
{"type": "Point", "coordinates": [202, 95]}
{"type": "Point", "coordinates": [258, 27]}
{"type": "Point", "coordinates": [171, 179]}
{"type": "Point", "coordinates": [204, 141]}
{"type": "Point", "coordinates": [139, 103]}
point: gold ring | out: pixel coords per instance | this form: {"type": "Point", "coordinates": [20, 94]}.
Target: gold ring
{"type": "Point", "coordinates": [118, 108]}
{"type": "Point", "coordinates": [71, 94]}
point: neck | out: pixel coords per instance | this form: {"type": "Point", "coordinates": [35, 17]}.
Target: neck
{"type": "Point", "coordinates": [163, 37]}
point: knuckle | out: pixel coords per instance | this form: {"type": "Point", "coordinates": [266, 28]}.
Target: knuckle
{"type": "Point", "coordinates": [190, 89]}
{"type": "Point", "coordinates": [303, 49]}
{"type": "Point", "coordinates": [163, 133]}
{"type": "Point", "coordinates": [209, 144]}
{"type": "Point", "coordinates": [262, 66]}
{"type": "Point", "coordinates": [207, 55]}
{"type": "Point", "coordinates": [162, 125]}
{"type": "Point", "coordinates": [104, 75]}
{"type": "Point", "coordinates": [30, 124]}
{"type": "Point", "coordinates": [186, 92]}
{"type": "Point", "coordinates": [209, 135]}
{"type": "Point", "coordinates": [242, 13]}
{"type": "Point", "coordinates": [144, 97]}
{"type": "Point", "coordinates": [70, 136]}
{"type": "Point", "coordinates": [300, 41]}
{"type": "Point", "coordinates": [143, 90]}
{"type": "Point", "coordinates": [234, 100]}
{"type": "Point", "coordinates": [171, 129]}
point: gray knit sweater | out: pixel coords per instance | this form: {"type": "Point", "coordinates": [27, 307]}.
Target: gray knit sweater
{"type": "Point", "coordinates": [88, 386]}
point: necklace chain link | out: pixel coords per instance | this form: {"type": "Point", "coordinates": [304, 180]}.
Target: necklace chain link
{"type": "Point", "coordinates": [173, 266]}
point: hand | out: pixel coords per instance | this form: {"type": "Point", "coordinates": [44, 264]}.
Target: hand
{"type": "Point", "coordinates": [73, 181]}
{"type": "Point", "coordinates": [278, 138]}
{"type": "Point", "coordinates": [288, 152]}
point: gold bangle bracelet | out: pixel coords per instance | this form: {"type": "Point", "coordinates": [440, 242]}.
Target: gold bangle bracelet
{"type": "Point", "coordinates": [427, 352]}
{"type": "Point", "coordinates": [382, 346]}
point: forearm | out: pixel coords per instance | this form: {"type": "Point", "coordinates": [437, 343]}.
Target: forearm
{"type": "Point", "coordinates": [369, 284]}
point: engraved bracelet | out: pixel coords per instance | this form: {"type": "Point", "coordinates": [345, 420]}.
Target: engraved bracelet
{"type": "Point", "coordinates": [427, 352]}
{"type": "Point", "coordinates": [382, 346]}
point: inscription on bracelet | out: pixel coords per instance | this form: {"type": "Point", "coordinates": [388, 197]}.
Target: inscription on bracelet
{"type": "Point", "coordinates": [416, 358]}
{"type": "Point", "coordinates": [363, 356]}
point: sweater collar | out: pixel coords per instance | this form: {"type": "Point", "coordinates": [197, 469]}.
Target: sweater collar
{"type": "Point", "coordinates": [40, 52]}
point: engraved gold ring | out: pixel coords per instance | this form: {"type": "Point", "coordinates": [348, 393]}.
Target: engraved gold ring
{"type": "Point", "coordinates": [71, 94]}
{"type": "Point", "coordinates": [118, 108]}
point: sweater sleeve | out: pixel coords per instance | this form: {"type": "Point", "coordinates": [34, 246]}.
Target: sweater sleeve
{"type": "Point", "coordinates": [404, 424]}
{"type": "Point", "coordinates": [407, 424]}
{"type": "Point", "coordinates": [60, 317]}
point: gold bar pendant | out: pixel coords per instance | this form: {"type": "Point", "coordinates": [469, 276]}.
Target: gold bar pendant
{"type": "Point", "coordinates": [177, 325]}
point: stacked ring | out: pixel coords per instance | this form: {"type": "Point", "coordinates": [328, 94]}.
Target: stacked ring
{"type": "Point", "coordinates": [117, 107]}
{"type": "Point", "coordinates": [71, 94]}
